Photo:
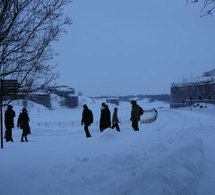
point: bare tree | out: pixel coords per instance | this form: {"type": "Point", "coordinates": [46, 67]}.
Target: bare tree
{"type": "Point", "coordinates": [28, 27]}
{"type": "Point", "coordinates": [208, 6]}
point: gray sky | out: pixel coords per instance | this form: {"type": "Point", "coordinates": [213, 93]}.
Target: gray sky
{"type": "Point", "coordinates": [121, 47]}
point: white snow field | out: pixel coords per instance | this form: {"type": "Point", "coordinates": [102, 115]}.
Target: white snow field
{"type": "Point", "coordinates": [175, 155]}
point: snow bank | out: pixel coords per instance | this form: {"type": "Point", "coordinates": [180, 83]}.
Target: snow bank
{"type": "Point", "coordinates": [141, 173]}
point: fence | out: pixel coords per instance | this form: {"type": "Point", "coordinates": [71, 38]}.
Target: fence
{"type": "Point", "coordinates": [70, 123]}
{"type": "Point", "coordinates": [96, 123]}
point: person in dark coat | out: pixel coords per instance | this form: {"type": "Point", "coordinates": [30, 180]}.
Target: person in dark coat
{"type": "Point", "coordinates": [105, 120]}
{"type": "Point", "coordinates": [87, 119]}
{"type": "Point", "coordinates": [135, 116]}
{"type": "Point", "coordinates": [115, 120]}
{"type": "Point", "coordinates": [107, 117]}
{"type": "Point", "coordinates": [102, 118]}
{"type": "Point", "coordinates": [23, 123]}
{"type": "Point", "coordinates": [9, 123]}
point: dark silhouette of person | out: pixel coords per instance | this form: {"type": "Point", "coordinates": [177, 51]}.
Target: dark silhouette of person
{"type": "Point", "coordinates": [108, 117]}
{"type": "Point", "coordinates": [87, 119]}
{"type": "Point", "coordinates": [105, 120]}
{"type": "Point", "coordinates": [115, 120]}
{"type": "Point", "coordinates": [102, 118]}
{"type": "Point", "coordinates": [9, 123]}
{"type": "Point", "coordinates": [23, 123]}
{"type": "Point", "coordinates": [135, 116]}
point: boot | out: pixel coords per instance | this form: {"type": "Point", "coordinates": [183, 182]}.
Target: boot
{"type": "Point", "coordinates": [22, 139]}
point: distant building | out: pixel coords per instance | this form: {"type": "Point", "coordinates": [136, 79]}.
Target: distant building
{"type": "Point", "coordinates": [210, 73]}
{"type": "Point", "coordinates": [197, 90]}
{"type": "Point", "coordinates": [62, 90]}
{"type": "Point", "coordinates": [68, 93]}
{"type": "Point", "coordinates": [71, 101]}
{"type": "Point", "coordinates": [44, 98]}
{"type": "Point", "coordinates": [113, 100]}
{"type": "Point", "coordinates": [40, 98]}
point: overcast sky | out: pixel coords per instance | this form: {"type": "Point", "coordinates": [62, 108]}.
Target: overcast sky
{"type": "Point", "coordinates": [122, 47]}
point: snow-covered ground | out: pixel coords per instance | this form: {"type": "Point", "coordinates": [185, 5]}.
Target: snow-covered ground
{"type": "Point", "coordinates": [174, 155]}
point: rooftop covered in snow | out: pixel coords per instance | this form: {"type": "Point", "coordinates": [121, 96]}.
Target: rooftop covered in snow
{"type": "Point", "coordinates": [207, 78]}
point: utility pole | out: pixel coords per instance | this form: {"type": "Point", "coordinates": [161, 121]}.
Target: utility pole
{"type": "Point", "coordinates": [8, 88]}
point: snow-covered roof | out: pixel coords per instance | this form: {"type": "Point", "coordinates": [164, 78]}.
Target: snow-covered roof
{"type": "Point", "coordinates": [195, 81]}
{"type": "Point", "coordinates": [63, 88]}
{"type": "Point", "coordinates": [206, 78]}
{"type": "Point", "coordinates": [112, 98]}
{"type": "Point", "coordinates": [72, 95]}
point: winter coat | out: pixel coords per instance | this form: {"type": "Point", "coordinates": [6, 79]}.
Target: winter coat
{"type": "Point", "coordinates": [102, 118]}
{"type": "Point", "coordinates": [105, 120]}
{"type": "Point", "coordinates": [115, 119]}
{"type": "Point", "coordinates": [135, 113]}
{"type": "Point", "coordinates": [23, 123]}
{"type": "Point", "coordinates": [9, 119]}
{"type": "Point", "coordinates": [87, 117]}
{"type": "Point", "coordinates": [108, 117]}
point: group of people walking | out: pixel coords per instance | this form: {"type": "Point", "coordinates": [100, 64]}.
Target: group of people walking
{"type": "Point", "coordinates": [87, 120]}
{"type": "Point", "coordinates": [22, 123]}
{"type": "Point", "coordinates": [105, 117]}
